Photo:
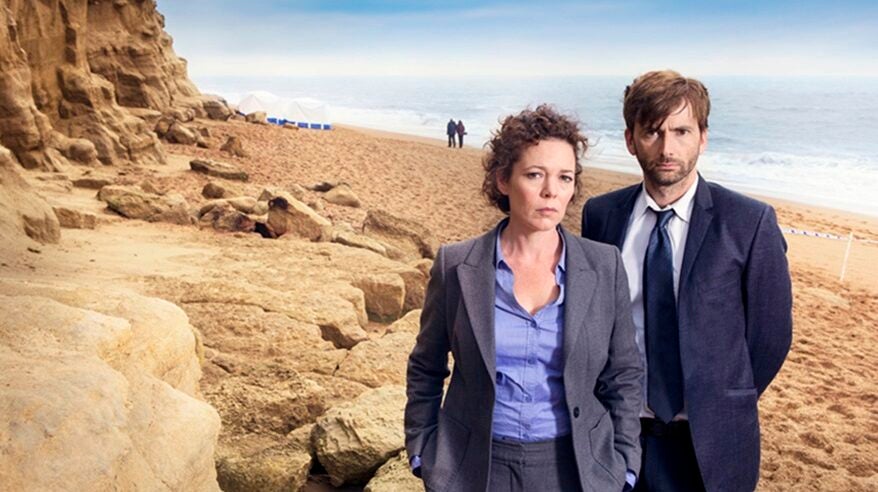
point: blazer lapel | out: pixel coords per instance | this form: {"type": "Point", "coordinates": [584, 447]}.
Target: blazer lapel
{"type": "Point", "coordinates": [699, 223]}
{"type": "Point", "coordinates": [477, 280]}
{"type": "Point", "coordinates": [617, 219]}
{"type": "Point", "coordinates": [581, 282]}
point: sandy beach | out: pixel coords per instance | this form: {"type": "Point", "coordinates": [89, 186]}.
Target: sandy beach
{"type": "Point", "coordinates": [820, 428]}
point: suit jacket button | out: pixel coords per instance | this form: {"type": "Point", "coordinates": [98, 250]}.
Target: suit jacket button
{"type": "Point", "coordinates": [576, 412]}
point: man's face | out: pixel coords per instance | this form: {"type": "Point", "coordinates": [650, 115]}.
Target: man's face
{"type": "Point", "coordinates": [667, 153]}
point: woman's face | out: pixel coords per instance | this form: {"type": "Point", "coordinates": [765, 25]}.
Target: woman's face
{"type": "Point", "coordinates": [541, 185]}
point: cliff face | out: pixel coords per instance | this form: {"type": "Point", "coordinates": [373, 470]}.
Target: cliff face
{"type": "Point", "coordinates": [82, 81]}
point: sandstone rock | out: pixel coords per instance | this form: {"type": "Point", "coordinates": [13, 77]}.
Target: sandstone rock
{"type": "Point", "coordinates": [237, 117]}
{"type": "Point", "coordinates": [81, 151]}
{"type": "Point", "coordinates": [215, 189]}
{"type": "Point", "coordinates": [225, 217]}
{"type": "Point", "coordinates": [134, 203]}
{"type": "Point", "coordinates": [385, 295]}
{"type": "Point", "coordinates": [263, 462]}
{"type": "Point", "coordinates": [149, 187]}
{"type": "Point", "coordinates": [290, 216]}
{"type": "Point", "coordinates": [395, 476]}
{"type": "Point", "coordinates": [181, 134]}
{"type": "Point", "coordinates": [379, 362]}
{"type": "Point", "coordinates": [415, 288]}
{"type": "Point", "coordinates": [410, 323]}
{"type": "Point", "coordinates": [413, 239]}
{"type": "Point", "coordinates": [261, 209]}
{"type": "Point", "coordinates": [216, 107]}
{"type": "Point", "coordinates": [322, 186]}
{"type": "Point", "coordinates": [256, 117]}
{"type": "Point", "coordinates": [218, 169]}
{"type": "Point", "coordinates": [180, 114]}
{"type": "Point", "coordinates": [75, 219]}
{"type": "Point", "coordinates": [244, 204]}
{"type": "Point", "coordinates": [88, 410]}
{"type": "Point", "coordinates": [163, 125]}
{"type": "Point", "coordinates": [342, 195]}
{"type": "Point", "coordinates": [293, 190]}
{"type": "Point", "coordinates": [355, 240]}
{"type": "Point", "coordinates": [424, 265]}
{"type": "Point", "coordinates": [23, 213]}
{"type": "Point", "coordinates": [290, 126]}
{"type": "Point", "coordinates": [352, 440]}
{"type": "Point", "coordinates": [234, 147]}
{"type": "Point", "coordinates": [92, 182]}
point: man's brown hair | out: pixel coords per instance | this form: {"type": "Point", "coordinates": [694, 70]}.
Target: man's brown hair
{"type": "Point", "coordinates": [517, 133]}
{"type": "Point", "coordinates": [653, 96]}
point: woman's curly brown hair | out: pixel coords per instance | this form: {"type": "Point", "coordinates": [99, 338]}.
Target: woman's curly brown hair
{"type": "Point", "coordinates": [517, 133]}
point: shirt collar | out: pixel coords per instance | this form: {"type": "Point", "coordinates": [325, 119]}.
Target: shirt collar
{"type": "Point", "coordinates": [682, 207]}
{"type": "Point", "coordinates": [498, 251]}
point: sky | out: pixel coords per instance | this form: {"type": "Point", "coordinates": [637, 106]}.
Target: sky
{"type": "Point", "coordinates": [459, 38]}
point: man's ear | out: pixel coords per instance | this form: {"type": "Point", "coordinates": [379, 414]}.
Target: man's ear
{"type": "Point", "coordinates": [702, 145]}
{"type": "Point", "coordinates": [629, 141]}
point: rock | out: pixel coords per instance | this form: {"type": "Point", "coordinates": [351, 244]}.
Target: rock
{"type": "Point", "coordinates": [256, 117]}
{"type": "Point", "coordinates": [415, 288]}
{"type": "Point", "coordinates": [204, 131]}
{"type": "Point", "coordinates": [410, 323]}
{"type": "Point", "coordinates": [410, 237]}
{"type": "Point", "coordinates": [270, 192]}
{"type": "Point", "coordinates": [353, 439]}
{"type": "Point", "coordinates": [23, 213]}
{"type": "Point", "coordinates": [261, 209]}
{"type": "Point", "coordinates": [234, 147]}
{"type": "Point", "coordinates": [181, 134]}
{"type": "Point", "coordinates": [218, 169]}
{"type": "Point", "coordinates": [424, 265]}
{"type": "Point", "coordinates": [81, 151]}
{"type": "Point", "coordinates": [163, 126]}
{"type": "Point", "coordinates": [237, 117]}
{"type": "Point", "coordinates": [134, 203]}
{"type": "Point", "coordinates": [379, 362]}
{"type": "Point", "coordinates": [244, 204]}
{"type": "Point", "coordinates": [342, 195]}
{"type": "Point", "coordinates": [92, 183]}
{"type": "Point", "coordinates": [290, 126]}
{"type": "Point", "coordinates": [395, 476]}
{"type": "Point", "coordinates": [74, 219]}
{"type": "Point", "coordinates": [216, 107]}
{"type": "Point", "coordinates": [214, 189]}
{"type": "Point", "coordinates": [266, 463]}
{"type": "Point", "coordinates": [290, 216]}
{"type": "Point", "coordinates": [322, 186]}
{"type": "Point", "coordinates": [149, 187]}
{"type": "Point", "coordinates": [385, 295]}
{"type": "Point", "coordinates": [225, 217]}
{"type": "Point", "coordinates": [93, 397]}
{"type": "Point", "coordinates": [359, 241]}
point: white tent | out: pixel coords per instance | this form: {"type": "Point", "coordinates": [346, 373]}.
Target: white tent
{"type": "Point", "coordinates": [303, 112]}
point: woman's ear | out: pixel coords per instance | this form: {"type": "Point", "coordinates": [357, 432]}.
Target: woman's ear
{"type": "Point", "coordinates": [502, 185]}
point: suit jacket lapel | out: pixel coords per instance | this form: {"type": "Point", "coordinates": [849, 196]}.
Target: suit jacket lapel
{"type": "Point", "coordinates": [477, 280]}
{"type": "Point", "coordinates": [617, 219]}
{"type": "Point", "coordinates": [581, 282]}
{"type": "Point", "coordinates": [699, 223]}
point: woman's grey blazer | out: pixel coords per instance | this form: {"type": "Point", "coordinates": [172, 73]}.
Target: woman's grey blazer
{"type": "Point", "coordinates": [602, 371]}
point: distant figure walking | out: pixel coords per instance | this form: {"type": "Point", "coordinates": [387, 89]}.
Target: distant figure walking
{"type": "Point", "coordinates": [461, 131]}
{"type": "Point", "coordinates": [451, 130]}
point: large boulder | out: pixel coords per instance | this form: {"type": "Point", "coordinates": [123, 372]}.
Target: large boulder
{"type": "Point", "coordinates": [215, 107]}
{"type": "Point", "coordinates": [410, 323]}
{"type": "Point", "coordinates": [379, 362]}
{"type": "Point", "coordinates": [134, 203]}
{"type": "Point", "coordinates": [385, 295]}
{"type": "Point", "coordinates": [286, 215]}
{"type": "Point", "coordinates": [256, 117]}
{"type": "Point", "coordinates": [353, 439]}
{"type": "Point", "coordinates": [412, 239]}
{"type": "Point", "coordinates": [181, 134]}
{"type": "Point", "coordinates": [395, 476]}
{"type": "Point", "coordinates": [23, 213]}
{"type": "Point", "coordinates": [218, 169]}
{"type": "Point", "coordinates": [75, 219]}
{"type": "Point", "coordinates": [267, 463]}
{"type": "Point", "coordinates": [95, 398]}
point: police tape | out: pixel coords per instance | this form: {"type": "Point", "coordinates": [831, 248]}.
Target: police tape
{"type": "Point", "coordinates": [826, 235]}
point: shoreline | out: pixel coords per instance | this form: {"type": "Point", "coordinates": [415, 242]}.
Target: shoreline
{"type": "Point", "coordinates": [613, 164]}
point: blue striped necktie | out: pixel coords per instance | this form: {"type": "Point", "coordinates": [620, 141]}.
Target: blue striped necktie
{"type": "Point", "coordinates": [665, 374]}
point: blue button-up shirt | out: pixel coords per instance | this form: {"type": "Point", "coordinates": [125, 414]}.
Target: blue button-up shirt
{"type": "Point", "coordinates": [530, 404]}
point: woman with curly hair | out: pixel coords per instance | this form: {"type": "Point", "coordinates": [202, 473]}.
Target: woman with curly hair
{"type": "Point", "coordinates": [546, 382]}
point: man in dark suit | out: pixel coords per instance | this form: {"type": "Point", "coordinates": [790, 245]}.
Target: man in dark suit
{"type": "Point", "coordinates": [710, 294]}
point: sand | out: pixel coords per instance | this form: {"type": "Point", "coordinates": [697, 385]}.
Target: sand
{"type": "Point", "coordinates": [819, 419]}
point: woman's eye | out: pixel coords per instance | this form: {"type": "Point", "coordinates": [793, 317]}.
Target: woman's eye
{"type": "Point", "coordinates": [533, 175]}
{"type": "Point", "coordinates": [567, 179]}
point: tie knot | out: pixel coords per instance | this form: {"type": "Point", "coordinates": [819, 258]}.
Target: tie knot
{"type": "Point", "coordinates": [663, 216]}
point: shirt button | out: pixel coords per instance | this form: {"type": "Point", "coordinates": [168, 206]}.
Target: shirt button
{"type": "Point", "coordinates": [576, 412]}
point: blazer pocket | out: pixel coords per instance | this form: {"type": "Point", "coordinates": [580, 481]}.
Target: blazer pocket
{"type": "Point", "coordinates": [603, 449]}
{"type": "Point", "coordinates": [444, 453]}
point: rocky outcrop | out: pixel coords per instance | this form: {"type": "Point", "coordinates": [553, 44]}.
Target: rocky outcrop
{"type": "Point", "coordinates": [342, 195]}
{"type": "Point", "coordinates": [411, 239]}
{"type": "Point", "coordinates": [75, 219]}
{"type": "Point", "coordinates": [135, 203]}
{"type": "Point", "coordinates": [395, 476]}
{"type": "Point", "coordinates": [385, 295]}
{"type": "Point", "coordinates": [23, 214]}
{"type": "Point", "coordinates": [353, 439]}
{"type": "Point", "coordinates": [98, 392]}
{"type": "Point", "coordinates": [265, 463]}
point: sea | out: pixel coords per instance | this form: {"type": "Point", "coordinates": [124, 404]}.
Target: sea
{"type": "Point", "coordinates": [807, 139]}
